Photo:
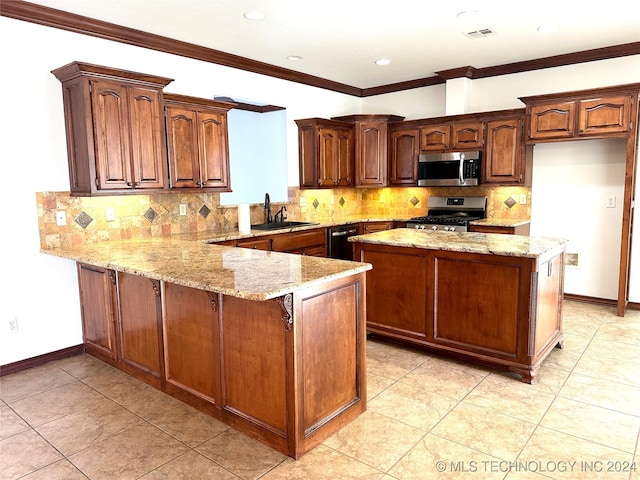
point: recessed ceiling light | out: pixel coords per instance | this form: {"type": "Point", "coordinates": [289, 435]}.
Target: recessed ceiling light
{"type": "Point", "coordinates": [467, 15]}
{"type": "Point", "coordinates": [547, 28]}
{"type": "Point", "coordinates": [383, 61]}
{"type": "Point", "coordinates": [294, 58]}
{"type": "Point", "coordinates": [254, 15]}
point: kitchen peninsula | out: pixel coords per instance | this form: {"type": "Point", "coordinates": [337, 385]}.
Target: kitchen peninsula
{"type": "Point", "coordinates": [489, 298]}
{"type": "Point", "coordinates": [270, 343]}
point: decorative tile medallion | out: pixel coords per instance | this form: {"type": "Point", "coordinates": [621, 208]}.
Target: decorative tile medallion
{"type": "Point", "coordinates": [204, 211]}
{"type": "Point", "coordinates": [84, 220]}
{"type": "Point", "coordinates": [414, 201]}
{"type": "Point", "coordinates": [510, 202]}
{"type": "Point", "coordinates": [150, 214]}
{"type": "Point", "coordinates": [315, 203]}
{"type": "Point", "coordinates": [341, 201]}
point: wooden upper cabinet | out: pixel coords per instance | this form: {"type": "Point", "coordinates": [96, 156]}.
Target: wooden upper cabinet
{"type": "Point", "coordinates": [605, 115]}
{"type": "Point", "coordinates": [552, 121]}
{"type": "Point", "coordinates": [326, 150]}
{"type": "Point", "coordinates": [463, 136]}
{"type": "Point", "coordinates": [115, 133]}
{"type": "Point", "coordinates": [197, 139]}
{"type": "Point", "coordinates": [403, 164]}
{"type": "Point", "coordinates": [505, 161]}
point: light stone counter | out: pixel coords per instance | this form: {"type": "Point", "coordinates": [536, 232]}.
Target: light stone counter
{"type": "Point", "coordinates": [483, 243]}
{"type": "Point", "coordinates": [500, 222]}
{"type": "Point", "coordinates": [238, 272]}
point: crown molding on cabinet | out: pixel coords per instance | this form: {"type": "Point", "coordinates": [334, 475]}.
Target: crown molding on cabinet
{"type": "Point", "coordinates": [30, 12]}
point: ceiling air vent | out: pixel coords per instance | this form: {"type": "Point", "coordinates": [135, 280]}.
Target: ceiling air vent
{"type": "Point", "coordinates": [483, 32]}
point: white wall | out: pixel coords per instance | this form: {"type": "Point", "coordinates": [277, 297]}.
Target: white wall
{"type": "Point", "coordinates": [39, 290]}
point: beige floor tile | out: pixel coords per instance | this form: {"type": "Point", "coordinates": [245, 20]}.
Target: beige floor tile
{"type": "Point", "coordinates": [446, 377]}
{"type": "Point", "coordinates": [485, 430]}
{"type": "Point", "coordinates": [435, 457]}
{"type": "Point", "coordinates": [190, 466]}
{"type": "Point", "coordinates": [10, 423]}
{"type": "Point", "coordinates": [83, 366]}
{"type": "Point", "coordinates": [77, 431]}
{"type": "Point", "coordinates": [58, 402]}
{"type": "Point", "coordinates": [613, 361]}
{"type": "Point", "coordinates": [128, 455]}
{"type": "Point", "coordinates": [566, 358]}
{"type": "Point", "coordinates": [619, 330]}
{"type": "Point", "coordinates": [603, 393]}
{"type": "Point", "coordinates": [587, 312]}
{"type": "Point", "coordinates": [511, 397]}
{"type": "Point", "coordinates": [148, 402]}
{"type": "Point", "coordinates": [634, 468]}
{"type": "Point", "coordinates": [563, 456]}
{"type": "Point", "coordinates": [240, 454]}
{"type": "Point", "coordinates": [110, 382]}
{"type": "Point", "coordinates": [24, 453]}
{"type": "Point", "coordinates": [596, 424]}
{"type": "Point", "coordinates": [32, 382]}
{"type": "Point", "coordinates": [375, 440]}
{"type": "Point", "coordinates": [392, 361]}
{"type": "Point", "coordinates": [412, 405]}
{"type": "Point", "coordinates": [188, 425]}
{"type": "Point", "coordinates": [376, 384]}
{"type": "Point", "coordinates": [61, 470]}
{"type": "Point", "coordinates": [323, 463]}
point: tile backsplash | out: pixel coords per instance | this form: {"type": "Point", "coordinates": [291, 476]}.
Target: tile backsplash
{"type": "Point", "coordinates": [136, 216]}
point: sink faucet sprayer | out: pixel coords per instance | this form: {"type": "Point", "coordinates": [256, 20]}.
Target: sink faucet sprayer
{"type": "Point", "coordinates": [280, 213]}
{"type": "Point", "coordinates": [267, 207]}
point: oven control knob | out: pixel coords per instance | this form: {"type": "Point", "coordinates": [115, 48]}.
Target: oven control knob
{"type": "Point", "coordinates": [435, 227]}
{"type": "Point", "coordinates": [422, 227]}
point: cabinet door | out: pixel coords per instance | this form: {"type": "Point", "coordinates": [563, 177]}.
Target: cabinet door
{"type": "Point", "coordinates": [97, 301]}
{"type": "Point", "coordinates": [308, 156]}
{"type": "Point", "coordinates": [371, 154]}
{"type": "Point", "coordinates": [140, 327]}
{"type": "Point", "coordinates": [435, 138]}
{"type": "Point", "coordinates": [404, 157]}
{"type": "Point", "coordinates": [327, 157]}
{"type": "Point", "coordinates": [147, 137]}
{"type": "Point", "coordinates": [182, 141]}
{"type": "Point", "coordinates": [110, 127]}
{"type": "Point", "coordinates": [467, 136]}
{"type": "Point", "coordinates": [552, 121]}
{"type": "Point", "coordinates": [605, 115]}
{"type": "Point", "coordinates": [214, 148]}
{"type": "Point", "coordinates": [344, 158]}
{"type": "Point", "coordinates": [504, 162]}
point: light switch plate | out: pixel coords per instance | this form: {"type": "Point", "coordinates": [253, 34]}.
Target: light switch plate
{"type": "Point", "coordinates": [183, 209]}
{"type": "Point", "coordinates": [111, 215]}
{"type": "Point", "coordinates": [61, 218]}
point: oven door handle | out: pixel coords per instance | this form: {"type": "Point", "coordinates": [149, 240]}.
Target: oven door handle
{"type": "Point", "coordinates": [343, 233]}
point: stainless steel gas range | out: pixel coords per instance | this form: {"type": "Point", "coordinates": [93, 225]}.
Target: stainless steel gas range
{"type": "Point", "coordinates": [450, 214]}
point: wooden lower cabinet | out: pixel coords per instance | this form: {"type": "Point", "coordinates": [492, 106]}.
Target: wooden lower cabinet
{"type": "Point", "coordinates": [502, 311]}
{"type": "Point", "coordinates": [372, 227]}
{"type": "Point", "coordinates": [289, 371]}
{"type": "Point", "coordinates": [307, 242]}
{"type": "Point", "coordinates": [522, 229]}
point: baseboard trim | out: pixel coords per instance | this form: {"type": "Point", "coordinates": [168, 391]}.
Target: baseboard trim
{"type": "Point", "coordinates": [585, 299]}
{"type": "Point", "coordinates": [15, 367]}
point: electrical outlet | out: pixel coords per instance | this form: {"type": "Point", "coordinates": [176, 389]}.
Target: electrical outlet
{"type": "Point", "coordinates": [303, 202]}
{"type": "Point", "coordinates": [12, 325]}
{"type": "Point", "coordinates": [523, 199]}
{"type": "Point", "coordinates": [331, 200]}
{"type": "Point", "coordinates": [111, 215]}
{"type": "Point", "coordinates": [61, 218]}
{"type": "Point", "coordinates": [611, 201]}
{"type": "Point", "coordinates": [183, 209]}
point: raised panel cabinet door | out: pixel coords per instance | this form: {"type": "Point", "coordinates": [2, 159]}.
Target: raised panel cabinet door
{"type": "Point", "coordinates": [344, 159]}
{"type": "Point", "coordinates": [140, 325]}
{"type": "Point", "coordinates": [147, 137]}
{"type": "Point", "coordinates": [404, 157]}
{"type": "Point", "coordinates": [97, 300]}
{"type": "Point", "coordinates": [552, 121]}
{"type": "Point", "coordinates": [111, 135]}
{"type": "Point", "coordinates": [435, 138]}
{"type": "Point", "coordinates": [467, 136]}
{"type": "Point", "coordinates": [308, 151]}
{"type": "Point", "coordinates": [327, 157]}
{"type": "Point", "coordinates": [605, 115]}
{"type": "Point", "coordinates": [182, 142]}
{"type": "Point", "coordinates": [214, 148]}
{"type": "Point", "coordinates": [371, 154]}
{"type": "Point", "coordinates": [504, 158]}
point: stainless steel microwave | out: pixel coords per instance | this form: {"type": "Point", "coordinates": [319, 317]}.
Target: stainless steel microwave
{"type": "Point", "coordinates": [459, 169]}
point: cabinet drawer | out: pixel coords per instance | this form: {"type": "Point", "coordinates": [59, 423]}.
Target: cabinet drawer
{"type": "Point", "coordinates": [256, 244]}
{"type": "Point", "coordinates": [287, 242]}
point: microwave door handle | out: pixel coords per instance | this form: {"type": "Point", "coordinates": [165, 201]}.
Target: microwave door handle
{"type": "Point", "coordinates": [461, 171]}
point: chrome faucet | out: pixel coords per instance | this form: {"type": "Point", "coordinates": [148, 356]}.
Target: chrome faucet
{"type": "Point", "coordinates": [267, 207]}
{"type": "Point", "coordinates": [281, 214]}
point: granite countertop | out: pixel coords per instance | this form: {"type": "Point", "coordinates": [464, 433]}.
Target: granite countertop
{"type": "Point", "coordinates": [500, 222]}
{"type": "Point", "coordinates": [471, 242]}
{"type": "Point", "coordinates": [238, 272]}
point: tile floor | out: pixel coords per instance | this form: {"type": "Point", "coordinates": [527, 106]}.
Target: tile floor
{"type": "Point", "coordinates": [428, 417]}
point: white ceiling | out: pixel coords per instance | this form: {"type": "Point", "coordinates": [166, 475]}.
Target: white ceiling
{"type": "Point", "coordinates": [340, 40]}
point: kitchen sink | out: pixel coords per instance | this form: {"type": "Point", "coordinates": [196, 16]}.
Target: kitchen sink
{"type": "Point", "coordinates": [277, 225]}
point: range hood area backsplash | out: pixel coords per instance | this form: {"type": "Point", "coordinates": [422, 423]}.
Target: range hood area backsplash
{"type": "Point", "coordinates": [143, 216]}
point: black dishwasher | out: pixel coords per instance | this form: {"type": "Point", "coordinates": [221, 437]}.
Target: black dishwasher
{"type": "Point", "coordinates": [339, 246]}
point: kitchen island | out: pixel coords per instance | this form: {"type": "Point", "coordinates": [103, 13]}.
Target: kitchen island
{"type": "Point", "coordinates": [270, 343]}
{"type": "Point", "coordinates": [488, 298]}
